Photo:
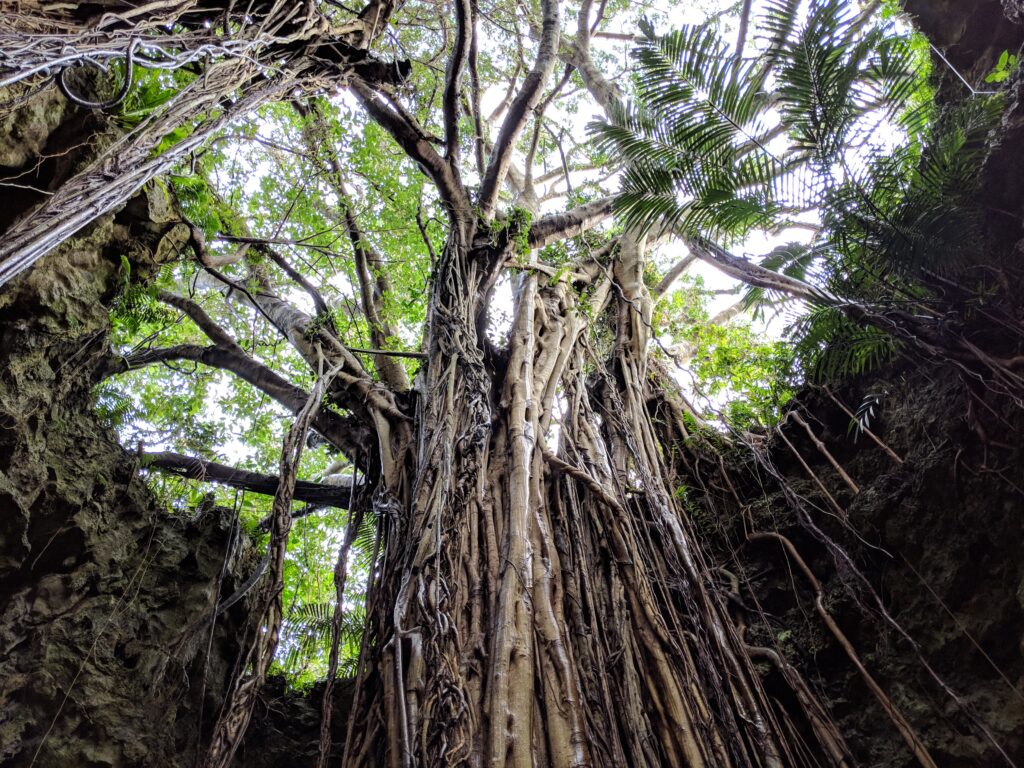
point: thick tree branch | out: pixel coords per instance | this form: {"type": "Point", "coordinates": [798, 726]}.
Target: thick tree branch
{"type": "Point", "coordinates": [577, 53]}
{"type": "Point", "coordinates": [413, 140]}
{"type": "Point", "coordinates": [121, 170]}
{"type": "Point", "coordinates": [474, 83]}
{"type": "Point", "coordinates": [194, 468]}
{"type": "Point", "coordinates": [353, 388]}
{"type": "Point", "coordinates": [519, 111]}
{"type": "Point", "coordinates": [453, 80]}
{"type": "Point", "coordinates": [348, 434]}
{"type": "Point", "coordinates": [560, 226]}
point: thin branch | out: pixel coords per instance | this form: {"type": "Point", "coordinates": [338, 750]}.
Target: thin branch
{"type": "Point", "coordinates": [538, 121]}
{"type": "Point", "coordinates": [905, 729]}
{"type": "Point", "coordinates": [390, 353]}
{"type": "Point", "coordinates": [507, 98]}
{"type": "Point", "coordinates": [322, 310]}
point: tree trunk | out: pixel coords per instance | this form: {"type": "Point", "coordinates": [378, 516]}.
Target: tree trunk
{"type": "Point", "coordinates": [541, 600]}
{"type": "Point", "coordinates": [542, 597]}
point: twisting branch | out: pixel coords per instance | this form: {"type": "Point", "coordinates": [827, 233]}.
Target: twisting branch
{"type": "Point", "coordinates": [195, 468]}
{"type": "Point", "coordinates": [519, 111]}
{"type": "Point", "coordinates": [74, 98]}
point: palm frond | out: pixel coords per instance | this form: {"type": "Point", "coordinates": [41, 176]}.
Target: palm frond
{"type": "Point", "coordinates": [306, 636]}
{"type": "Point", "coordinates": [831, 347]}
{"type": "Point", "coordinates": [695, 140]}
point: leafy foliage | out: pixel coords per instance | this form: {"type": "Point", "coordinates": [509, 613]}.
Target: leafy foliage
{"type": "Point", "coordinates": [866, 411]}
{"type": "Point", "coordinates": [306, 641]}
{"type": "Point", "coordinates": [1004, 68]}
{"type": "Point", "coordinates": [833, 126]}
{"type": "Point", "coordinates": [745, 378]}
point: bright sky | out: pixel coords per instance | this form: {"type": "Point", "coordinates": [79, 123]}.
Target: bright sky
{"type": "Point", "coordinates": [665, 16]}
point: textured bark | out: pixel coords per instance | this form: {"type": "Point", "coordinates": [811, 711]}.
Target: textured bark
{"type": "Point", "coordinates": [545, 597]}
{"type": "Point", "coordinates": [536, 609]}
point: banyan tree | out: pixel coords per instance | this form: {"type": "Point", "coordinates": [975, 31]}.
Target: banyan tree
{"type": "Point", "coordinates": [442, 309]}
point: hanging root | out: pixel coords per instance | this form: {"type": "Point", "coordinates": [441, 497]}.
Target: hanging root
{"type": "Point", "coordinates": [340, 572]}
{"type": "Point", "coordinates": [823, 450]}
{"type": "Point", "coordinates": [902, 725]}
{"type": "Point", "coordinates": [255, 659]}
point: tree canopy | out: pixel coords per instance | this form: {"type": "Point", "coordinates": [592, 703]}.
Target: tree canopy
{"type": "Point", "coordinates": [401, 221]}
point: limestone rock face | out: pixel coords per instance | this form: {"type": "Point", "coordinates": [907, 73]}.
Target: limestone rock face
{"type": "Point", "coordinates": [101, 662]}
{"type": "Point", "coordinates": [30, 127]}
